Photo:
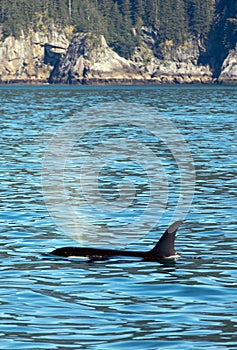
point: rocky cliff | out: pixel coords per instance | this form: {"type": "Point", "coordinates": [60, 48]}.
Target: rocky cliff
{"type": "Point", "coordinates": [90, 60]}
{"type": "Point", "coordinates": [24, 60]}
{"type": "Point", "coordinates": [59, 57]}
{"type": "Point", "coordinates": [229, 68]}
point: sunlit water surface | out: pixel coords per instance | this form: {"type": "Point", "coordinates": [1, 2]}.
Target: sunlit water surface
{"type": "Point", "coordinates": [49, 303]}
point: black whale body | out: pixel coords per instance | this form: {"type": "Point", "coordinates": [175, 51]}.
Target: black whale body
{"type": "Point", "coordinates": [164, 249]}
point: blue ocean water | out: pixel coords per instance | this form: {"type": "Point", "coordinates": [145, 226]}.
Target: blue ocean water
{"type": "Point", "coordinates": [104, 175]}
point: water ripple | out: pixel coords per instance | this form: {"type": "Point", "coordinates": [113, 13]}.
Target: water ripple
{"type": "Point", "coordinates": [50, 303]}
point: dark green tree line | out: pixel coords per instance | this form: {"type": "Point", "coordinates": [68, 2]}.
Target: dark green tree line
{"type": "Point", "coordinates": [121, 20]}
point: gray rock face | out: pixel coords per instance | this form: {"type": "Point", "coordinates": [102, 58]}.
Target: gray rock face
{"type": "Point", "coordinates": [177, 65]}
{"type": "Point", "coordinates": [229, 68]}
{"type": "Point", "coordinates": [22, 60]}
{"type": "Point", "coordinates": [56, 56]}
{"type": "Point", "coordinates": [90, 59]}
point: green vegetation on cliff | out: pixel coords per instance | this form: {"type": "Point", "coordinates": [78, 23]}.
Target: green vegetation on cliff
{"type": "Point", "coordinates": [120, 21]}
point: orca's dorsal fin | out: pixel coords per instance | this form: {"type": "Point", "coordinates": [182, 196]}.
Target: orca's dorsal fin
{"type": "Point", "coordinates": [165, 246]}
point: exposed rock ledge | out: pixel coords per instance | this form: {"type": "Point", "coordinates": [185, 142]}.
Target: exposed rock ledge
{"type": "Point", "coordinates": [57, 57]}
{"type": "Point", "coordinates": [90, 60]}
{"type": "Point", "coordinates": [23, 60]}
{"type": "Point", "coordinates": [229, 68]}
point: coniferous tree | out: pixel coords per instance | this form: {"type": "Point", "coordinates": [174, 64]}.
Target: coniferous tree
{"type": "Point", "coordinates": [151, 12]}
{"type": "Point", "coordinates": [137, 11]}
{"type": "Point", "coordinates": [172, 21]}
{"type": "Point", "coordinates": [229, 13]}
{"type": "Point", "coordinates": [200, 15]}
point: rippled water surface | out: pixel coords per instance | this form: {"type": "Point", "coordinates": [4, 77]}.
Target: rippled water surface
{"type": "Point", "coordinates": [50, 303]}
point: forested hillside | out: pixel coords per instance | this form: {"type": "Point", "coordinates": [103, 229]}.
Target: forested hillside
{"type": "Point", "coordinates": [120, 21]}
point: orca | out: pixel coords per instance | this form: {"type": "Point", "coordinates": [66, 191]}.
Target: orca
{"type": "Point", "coordinates": [164, 249]}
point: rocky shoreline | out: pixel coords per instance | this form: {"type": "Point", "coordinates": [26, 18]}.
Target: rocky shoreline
{"type": "Point", "coordinates": [59, 57]}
